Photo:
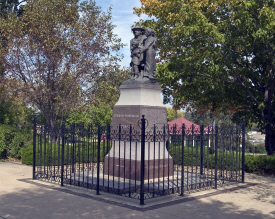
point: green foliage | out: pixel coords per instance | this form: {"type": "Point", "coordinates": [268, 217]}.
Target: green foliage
{"type": "Point", "coordinates": [230, 161]}
{"type": "Point", "coordinates": [7, 7]}
{"type": "Point", "coordinates": [218, 56]}
{"type": "Point", "coordinates": [254, 127]}
{"type": "Point", "coordinates": [100, 109]}
{"type": "Point", "coordinates": [50, 154]}
{"type": "Point", "coordinates": [254, 148]}
{"type": "Point", "coordinates": [26, 155]}
{"type": "Point", "coordinates": [67, 51]}
{"type": "Point", "coordinates": [260, 164]}
{"type": "Point", "coordinates": [192, 157]}
{"type": "Point", "coordinates": [208, 118]}
{"type": "Point", "coordinates": [106, 97]}
{"type": "Point", "coordinates": [15, 114]}
{"type": "Point", "coordinates": [12, 140]}
{"type": "Point", "coordinates": [81, 117]}
{"type": "Point", "coordinates": [173, 114]}
{"type": "Point", "coordinates": [101, 114]}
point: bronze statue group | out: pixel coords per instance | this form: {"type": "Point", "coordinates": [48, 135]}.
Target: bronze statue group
{"type": "Point", "coordinates": [143, 53]}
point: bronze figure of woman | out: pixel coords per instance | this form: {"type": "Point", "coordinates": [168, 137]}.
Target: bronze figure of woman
{"type": "Point", "coordinates": [149, 50]}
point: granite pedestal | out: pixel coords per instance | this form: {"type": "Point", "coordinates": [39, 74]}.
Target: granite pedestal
{"type": "Point", "coordinates": [137, 98]}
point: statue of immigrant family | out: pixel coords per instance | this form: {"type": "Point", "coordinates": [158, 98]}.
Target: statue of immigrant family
{"type": "Point", "coordinates": [143, 53]}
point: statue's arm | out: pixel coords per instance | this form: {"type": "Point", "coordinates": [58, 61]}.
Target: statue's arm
{"type": "Point", "coordinates": [131, 45]}
{"type": "Point", "coordinates": [147, 45]}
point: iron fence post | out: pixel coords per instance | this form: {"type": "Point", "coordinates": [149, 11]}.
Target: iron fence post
{"type": "Point", "coordinates": [142, 160]}
{"type": "Point", "coordinates": [34, 148]}
{"type": "Point", "coordinates": [73, 148]}
{"type": "Point", "coordinates": [167, 141]}
{"type": "Point", "coordinates": [216, 156]}
{"type": "Point", "coordinates": [108, 137]}
{"type": "Point", "coordinates": [154, 144]}
{"type": "Point", "coordinates": [202, 147]}
{"type": "Point", "coordinates": [182, 159]}
{"type": "Point", "coordinates": [62, 153]}
{"type": "Point", "coordinates": [98, 158]}
{"type": "Point", "coordinates": [119, 167]}
{"type": "Point", "coordinates": [243, 150]}
{"type": "Point", "coordinates": [108, 151]}
{"type": "Point", "coordinates": [130, 133]}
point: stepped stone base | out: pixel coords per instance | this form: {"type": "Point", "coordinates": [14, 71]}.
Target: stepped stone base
{"type": "Point", "coordinates": [138, 98]}
{"type": "Point", "coordinates": [130, 169]}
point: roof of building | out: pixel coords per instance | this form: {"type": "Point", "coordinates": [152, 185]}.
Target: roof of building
{"type": "Point", "coordinates": [180, 121]}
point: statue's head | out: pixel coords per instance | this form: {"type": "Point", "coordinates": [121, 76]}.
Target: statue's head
{"type": "Point", "coordinates": [148, 31]}
{"type": "Point", "coordinates": [153, 33]}
{"type": "Point", "coordinates": [137, 30]}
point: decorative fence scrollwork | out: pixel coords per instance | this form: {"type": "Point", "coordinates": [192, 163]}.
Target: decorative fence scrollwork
{"type": "Point", "coordinates": [140, 164]}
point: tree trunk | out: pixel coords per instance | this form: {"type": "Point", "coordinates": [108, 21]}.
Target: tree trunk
{"type": "Point", "coordinates": [269, 130]}
{"type": "Point", "coordinates": [269, 140]}
{"type": "Point", "coordinates": [54, 131]}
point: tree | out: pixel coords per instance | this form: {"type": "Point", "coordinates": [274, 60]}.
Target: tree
{"type": "Point", "coordinates": [7, 7]}
{"type": "Point", "coordinates": [173, 114]}
{"type": "Point", "coordinates": [12, 110]}
{"type": "Point", "coordinates": [15, 113]}
{"type": "Point", "coordinates": [59, 52]}
{"type": "Point", "coordinates": [105, 97]}
{"type": "Point", "coordinates": [218, 56]}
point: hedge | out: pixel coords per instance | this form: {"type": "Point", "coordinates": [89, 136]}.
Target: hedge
{"type": "Point", "coordinates": [255, 148]}
{"type": "Point", "coordinates": [12, 140]}
{"type": "Point", "coordinates": [26, 155]}
{"type": "Point", "coordinates": [192, 157]}
{"type": "Point", "coordinates": [260, 164]}
{"type": "Point", "coordinates": [253, 163]}
{"type": "Point", "coordinates": [53, 154]}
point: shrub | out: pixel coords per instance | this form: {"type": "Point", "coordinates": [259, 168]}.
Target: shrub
{"type": "Point", "coordinates": [260, 164]}
{"type": "Point", "coordinates": [12, 140]}
{"type": "Point", "coordinates": [26, 155]}
{"type": "Point", "coordinates": [225, 160]}
{"type": "Point", "coordinates": [254, 148]}
{"type": "Point", "coordinates": [50, 154]}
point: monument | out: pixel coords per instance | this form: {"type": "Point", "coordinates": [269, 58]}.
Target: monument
{"type": "Point", "coordinates": [139, 95]}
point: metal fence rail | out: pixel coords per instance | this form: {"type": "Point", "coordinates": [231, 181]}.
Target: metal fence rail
{"type": "Point", "coordinates": [142, 163]}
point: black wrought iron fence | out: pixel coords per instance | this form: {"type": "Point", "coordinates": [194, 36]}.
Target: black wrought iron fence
{"type": "Point", "coordinates": [142, 163]}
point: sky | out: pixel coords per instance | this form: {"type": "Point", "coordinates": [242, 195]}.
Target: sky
{"type": "Point", "coordinates": [123, 18]}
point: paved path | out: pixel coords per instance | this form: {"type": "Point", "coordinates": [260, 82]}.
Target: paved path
{"type": "Point", "coordinates": [21, 197]}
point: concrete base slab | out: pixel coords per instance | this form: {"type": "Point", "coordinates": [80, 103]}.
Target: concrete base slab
{"type": "Point", "coordinates": [132, 187]}
{"type": "Point", "coordinates": [24, 198]}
